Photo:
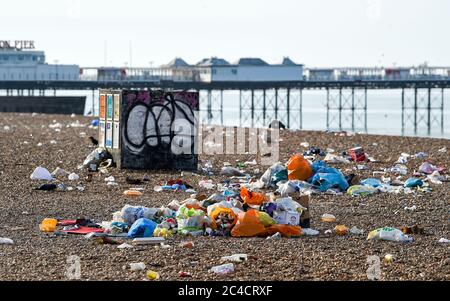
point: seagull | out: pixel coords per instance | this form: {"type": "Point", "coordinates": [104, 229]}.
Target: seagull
{"type": "Point", "coordinates": [93, 140]}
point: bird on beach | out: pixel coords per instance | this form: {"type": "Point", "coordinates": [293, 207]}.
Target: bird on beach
{"type": "Point", "coordinates": [93, 140]}
{"type": "Point", "coordinates": [276, 124]}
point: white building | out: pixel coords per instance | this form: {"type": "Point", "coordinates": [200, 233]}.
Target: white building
{"type": "Point", "coordinates": [248, 69]}
{"type": "Point", "coordinates": [16, 64]}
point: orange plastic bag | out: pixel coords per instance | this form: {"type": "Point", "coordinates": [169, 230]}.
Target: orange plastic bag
{"type": "Point", "coordinates": [248, 224]}
{"type": "Point", "coordinates": [285, 230]}
{"type": "Point", "coordinates": [226, 211]}
{"type": "Point", "coordinates": [299, 168]}
{"type": "Point", "coordinates": [252, 198]}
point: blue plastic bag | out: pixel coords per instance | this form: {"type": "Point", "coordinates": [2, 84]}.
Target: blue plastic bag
{"type": "Point", "coordinates": [325, 181]}
{"type": "Point", "coordinates": [371, 182]}
{"type": "Point", "coordinates": [413, 182]}
{"type": "Point", "coordinates": [317, 165]}
{"type": "Point", "coordinates": [143, 227]}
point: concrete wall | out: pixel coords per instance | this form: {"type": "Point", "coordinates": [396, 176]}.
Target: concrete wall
{"type": "Point", "coordinates": [43, 104]}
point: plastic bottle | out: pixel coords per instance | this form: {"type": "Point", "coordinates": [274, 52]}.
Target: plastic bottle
{"type": "Point", "coordinates": [223, 269]}
{"type": "Point", "coordinates": [235, 257]}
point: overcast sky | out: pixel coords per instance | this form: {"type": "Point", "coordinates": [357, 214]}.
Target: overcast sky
{"type": "Point", "coordinates": [315, 32]}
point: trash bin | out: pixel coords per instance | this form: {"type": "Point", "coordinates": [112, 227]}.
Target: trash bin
{"type": "Point", "coordinates": [150, 129]}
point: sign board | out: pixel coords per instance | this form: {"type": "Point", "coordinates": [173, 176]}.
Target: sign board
{"type": "Point", "coordinates": [101, 133]}
{"type": "Point", "coordinates": [109, 107]}
{"type": "Point", "coordinates": [116, 134]}
{"type": "Point", "coordinates": [116, 107]}
{"type": "Point", "coordinates": [109, 135]}
{"type": "Point", "coordinates": [102, 111]}
{"type": "Point", "coordinates": [16, 45]}
{"type": "Point", "coordinates": [152, 129]}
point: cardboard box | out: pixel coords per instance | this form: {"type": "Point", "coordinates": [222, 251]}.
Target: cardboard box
{"type": "Point", "coordinates": [305, 218]}
{"type": "Point", "coordinates": [287, 217]}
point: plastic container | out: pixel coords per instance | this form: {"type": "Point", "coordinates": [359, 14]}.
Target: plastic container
{"type": "Point", "coordinates": [139, 266]}
{"type": "Point", "coordinates": [328, 218]}
{"type": "Point", "coordinates": [152, 275]}
{"type": "Point", "coordinates": [341, 230]}
{"type": "Point", "coordinates": [223, 269]}
{"type": "Point", "coordinates": [48, 225]}
{"type": "Point", "coordinates": [132, 193]}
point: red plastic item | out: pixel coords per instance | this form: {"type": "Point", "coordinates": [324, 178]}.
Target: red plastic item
{"type": "Point", "coordinates": [357, 154]}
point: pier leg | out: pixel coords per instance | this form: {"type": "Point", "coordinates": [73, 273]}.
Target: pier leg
{"type": "Point", "coordinates": [209, 105]}
{"type": "Point", "coordinates": [415, 111]}
{"type": "Point", "coordinates": [253, 107]}
{"type": "Point", "coordinates": [328, 109]}
{"type": "Point", "coordinates": [301, 108]}
{"type": "Point", "coordinates": [353, 109]}
{"type": "Point", "coordinates": [288, 105]}
{"type": "Point", "coordinates": [240, 108]}
{"type": "Point", "coordinates": [221, 107]}
{"type": "Point", "coordinates": [264, 107]}
{"type": "Point", "coordinates": [403, 111]}
{"type": "Point", "coordinates": [442, 111]}
{"type": "Point", "coordinates": [429, 112]}
{"type": "Point", "coordinates": [365, 109]}
{"type": "Point", "coordinates": [340, 109]}
{"type": "Point", "coordinates": [276, 103]}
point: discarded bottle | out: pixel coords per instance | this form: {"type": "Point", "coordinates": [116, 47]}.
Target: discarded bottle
{"type": "Point", "coordinates": [223, 269]}
{"type": "Point", "coordinates": [48, 225]}
{"type": "Point", "coordinates": [235, 257]}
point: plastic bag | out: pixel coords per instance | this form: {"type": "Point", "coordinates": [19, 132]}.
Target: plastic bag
{"type": "Point", "coordinates": [281, 175]}
{"type": "Point", "coordinates": [413, 182]}
{"type": "Point", "coordinates": [130, 214]}
{"type": "Point", "coordinates": [284, 230]}
{"type": "Point", "coordinates": [96, 157]}
{"type": "Point", "coordinates": [143, 227]}
{"type": "Point", "coordinates": [266, 178]}
{"type": "Point", "coordinates": [265, 219]}
{"type": "Point", "coordinates": [248, 224]}
{"type": "Point", "coordinates": [298, 168]}
{"type": "Point", "coordinates": [252, 198]}
{"type": "Point", "coordinates": [361, 190]}
{"type": "Point", "coordinates": [223, 218]}
{"type": "Point", "coordinates": [190, 220]}
{"type": "Point", "coordinates": [371, 182]}
{"type": "Point", "coordinates": [325, 181]}
{"type": "Point", "coordinates": [390, 234]}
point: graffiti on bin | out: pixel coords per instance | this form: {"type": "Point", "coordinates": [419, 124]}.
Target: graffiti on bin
{"type": "Point", "coordinates": [161, 120]}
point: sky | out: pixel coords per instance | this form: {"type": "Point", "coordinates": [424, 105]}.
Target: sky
{"type": "Point", "coordinates": [317, 33]}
